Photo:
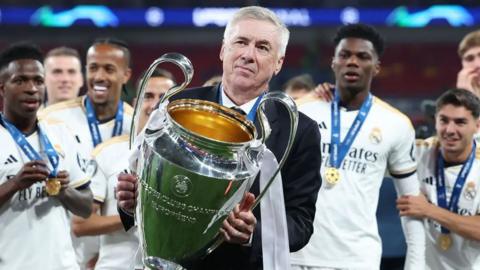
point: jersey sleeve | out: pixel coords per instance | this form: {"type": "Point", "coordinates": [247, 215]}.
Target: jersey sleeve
{"type": "Point", "coordinates": [402, 160]}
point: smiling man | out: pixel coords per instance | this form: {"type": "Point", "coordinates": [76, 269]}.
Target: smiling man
{"type": "Point", "coordinates": [449, 169]}
{"type": "Point", "coordinates": [100, 114]}
{"type": "Point", "coordinates": [361, 140]}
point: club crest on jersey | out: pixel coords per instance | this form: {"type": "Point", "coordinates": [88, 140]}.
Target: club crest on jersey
{"type": "Point", "coordinates": [470, 191]}
{"type": "Point", "coordinates": [375, 136]}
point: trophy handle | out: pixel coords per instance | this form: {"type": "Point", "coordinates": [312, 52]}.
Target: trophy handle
{"type": "Point", "coordinates": [288, 102]}
{"type": "Point", "coordinates": [175, 58]}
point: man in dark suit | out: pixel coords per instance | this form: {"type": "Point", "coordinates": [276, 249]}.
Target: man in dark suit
{"type": "Point", "coordinates": [252, 53]}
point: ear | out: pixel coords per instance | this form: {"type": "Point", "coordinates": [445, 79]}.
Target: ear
{"type": "Point", "coordinates": [2, 89]}
{"type": "Point", "coordinates": [478, 123]}
{"type": "Point", "coordinates": [376, 69]}
{"type": "Point", "coordinates": [222, 51]}
{"type": "Point", "coordinates": [127, 74]}
{"type": "Point", "coordinates": [278, 65]}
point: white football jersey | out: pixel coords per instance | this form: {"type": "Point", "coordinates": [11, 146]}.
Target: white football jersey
{"type": "Point", "coordinates": [73, 113]}
{"type": "Point", "coordinates": [345, 226]}
{"type": "Point", "coordinates": [463, 253]}
{"type": "Point", "coordinates": [117, 249]}
{"type": "Point", "coordinates": [35, 229]}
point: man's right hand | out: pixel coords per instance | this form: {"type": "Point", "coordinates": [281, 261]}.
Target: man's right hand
{"type": "Point", "coordinates": [469, 79]}
{"type": "Point", "coordinates": [31, 172]}
{"type": "Point", "coordinates": [324, 91]}
{"type": "Point", "coordinates": [127, 192]}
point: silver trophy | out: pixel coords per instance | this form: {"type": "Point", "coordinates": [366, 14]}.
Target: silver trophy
{"type": "Point", "coordinates": [195, 165]}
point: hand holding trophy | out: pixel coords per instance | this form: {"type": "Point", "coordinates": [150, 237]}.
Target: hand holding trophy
{"type": "Point", "coordinates": [197, 160]}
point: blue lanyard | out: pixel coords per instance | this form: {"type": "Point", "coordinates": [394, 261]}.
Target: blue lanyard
{"type": "Point", "coordinates": [459, 183]}
{"type": "Point", "coordinates": [27, 148]}
{"type": "Point", "coordinates": [253, 110]}
{"type": "Point", "coordinates": [338, 150]}
{"type": "Point", "coordinates": [93, 122]}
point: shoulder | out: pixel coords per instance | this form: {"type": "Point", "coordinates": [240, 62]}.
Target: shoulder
{"type": "Point", "coordinates": [314, 109]}
{"type": "Point", "coordinates": [425, 146]}
{"type": "Point", "coordinates": [391, 113]}
{"type": "Point", "coordinates": [427, 143]}
{"type": "Point", "coordinates": [56, 126]}
{"type": "Point", "coordinates": [127, 109]}
{"type": "Point", "coordinates": [109, 145]}
{"type": "Point", "coordinates": [60, 107]}
{"type": "Point", "coordinates": [198, 92]}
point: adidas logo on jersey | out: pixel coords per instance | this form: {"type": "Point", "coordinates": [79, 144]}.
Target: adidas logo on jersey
{"type": "Point", "coordinates": [322, 125]}
{"type": "Point", "coordinates": [11, 159]}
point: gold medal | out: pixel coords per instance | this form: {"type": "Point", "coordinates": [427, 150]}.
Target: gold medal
{"type": "Point", "coordinates": [332, 175]}
{"type": "Point", "coordinates": [53, 185]}
{"type": "Point", "coordinates": [444, 241]}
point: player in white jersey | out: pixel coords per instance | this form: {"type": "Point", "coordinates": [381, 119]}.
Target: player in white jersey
{"type": "Point", "coordinates": [362, 137]}
{"type": "Point", "coordinates": [39, 179]}
{"type": "Point", "coordinates": [97, 116]}
{"type": "Point", "coordinates": [449, 171]}
{"type": "Point", "coordinates": [117, 247]}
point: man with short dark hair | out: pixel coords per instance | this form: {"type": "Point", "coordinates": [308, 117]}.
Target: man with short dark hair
{"type": "Point", "coordinates": [63, 74]}
{"type": "Point", "coordinates": [361, 140]}
{"type": "Point", "coordinates": [449, 174]}
{"type": "Point", "coordinates": [117, 247]}
{"type": "Point", "coordinates": [300, 88]}
{"type": "Point", "coordinates": [160, 81]}
{"type": "Point", "coordinates": [97, 116]}
{"type": "Point", "coordinates": [39, 179]}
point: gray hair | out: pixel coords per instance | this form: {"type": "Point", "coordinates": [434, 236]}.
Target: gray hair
{"type": "Point", "coordinates": [261, 14]}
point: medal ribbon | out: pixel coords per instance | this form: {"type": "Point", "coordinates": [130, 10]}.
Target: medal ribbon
{"type": "Point", "coordinates": [27, 148]}
{"type": "Point", "coordinates": [459, 183]}
{"type": "Point", "coordinates": [93, 122]}
{"type": "Point", "coordinates": [339, 150]}
{"type": "Point", "coordinates": [253, 110]}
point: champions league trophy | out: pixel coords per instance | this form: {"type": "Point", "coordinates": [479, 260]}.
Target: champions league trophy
{"type": "Point", "coordinates": [195, 164]}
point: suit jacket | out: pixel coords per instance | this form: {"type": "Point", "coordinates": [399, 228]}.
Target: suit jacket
{"type": "Point", "coordinates": [301, 182]}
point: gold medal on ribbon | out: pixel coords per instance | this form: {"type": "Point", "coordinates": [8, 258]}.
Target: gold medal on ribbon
{"type": "Point", "coordinates": [53, 185]}
{"type": "Point", "coordinates": [444, 241]}
{"type": "Point", "coordinates": [332, 175]}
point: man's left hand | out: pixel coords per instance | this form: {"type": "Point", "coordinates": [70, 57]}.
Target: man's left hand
{"type": "Point", "coordinates": [413, 206]}
{"type": "Point", "coordinates": [240, 223]}
{"type": "Point", "coordinates": [64, 179]}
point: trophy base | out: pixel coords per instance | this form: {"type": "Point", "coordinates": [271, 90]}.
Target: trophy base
{"type": "Point", "coordinates": [154, 263]}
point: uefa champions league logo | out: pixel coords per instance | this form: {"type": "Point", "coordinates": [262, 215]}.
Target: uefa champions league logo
{"type": "Point", "coordinates": [181, 186]}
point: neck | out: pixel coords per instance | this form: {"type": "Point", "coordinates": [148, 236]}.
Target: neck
{"type": "Point", "coordinates": [457, 158]}
{"type": "Point", "coordinates": [105, 111]}
{"type": "Point", "coordinates": [352, 100]}
{"type": "Point", "coordinates": [25, 124]}
{"type": "Point", "coordinates": [240, 97]}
